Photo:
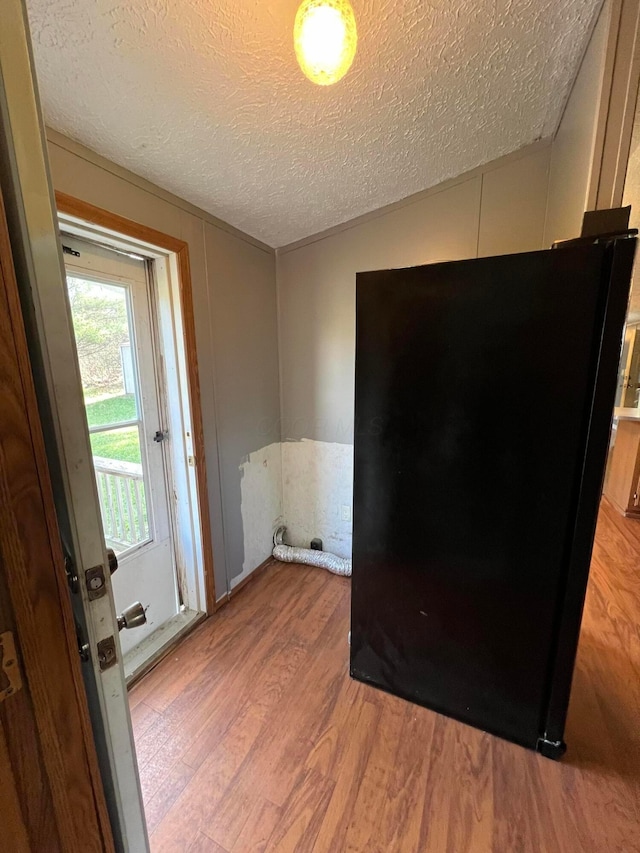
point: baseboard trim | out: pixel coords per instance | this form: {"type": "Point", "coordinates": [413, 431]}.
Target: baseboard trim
{"type": "Point", "coordinates": [243, 583]}
{"type": "Point", "coordinates": [254, 574]}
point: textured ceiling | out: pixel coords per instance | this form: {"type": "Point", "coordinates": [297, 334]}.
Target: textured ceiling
{"type": "Point", "coordinates": [204, 98]}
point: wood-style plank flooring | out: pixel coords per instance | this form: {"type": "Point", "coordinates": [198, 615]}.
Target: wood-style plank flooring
{"type": "Point", "coordinates": [252, 737]}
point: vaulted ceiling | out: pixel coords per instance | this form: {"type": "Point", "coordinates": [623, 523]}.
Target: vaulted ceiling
{"type": "Point", "coordinates": [204, 98]}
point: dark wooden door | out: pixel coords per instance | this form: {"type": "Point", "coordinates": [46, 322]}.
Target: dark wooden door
{"type": "Point", "coordinates": [51, 796]}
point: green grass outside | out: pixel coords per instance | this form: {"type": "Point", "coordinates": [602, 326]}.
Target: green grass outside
{"type": "Point", "coordinates": [123, 444]}
{"type": "Point", "coordinates": [113, 410]}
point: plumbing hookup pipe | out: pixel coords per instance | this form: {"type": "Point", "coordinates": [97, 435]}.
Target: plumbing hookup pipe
{"type": "Point", "coordinates": [309, 557]}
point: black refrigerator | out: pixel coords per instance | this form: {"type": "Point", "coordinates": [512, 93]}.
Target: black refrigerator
{"type": "Point", "coordinates": [484, 393]}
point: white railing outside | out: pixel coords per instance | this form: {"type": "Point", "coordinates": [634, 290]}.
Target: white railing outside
{"type": "Point", "coordinates": [122, 502]}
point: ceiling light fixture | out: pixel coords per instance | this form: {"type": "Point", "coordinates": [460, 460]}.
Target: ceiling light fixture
{"type": "Point", "coordinates": [325, 39]}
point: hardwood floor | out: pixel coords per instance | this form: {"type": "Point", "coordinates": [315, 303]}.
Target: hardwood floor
{"type": "Point", "coordinates": [252, 736]}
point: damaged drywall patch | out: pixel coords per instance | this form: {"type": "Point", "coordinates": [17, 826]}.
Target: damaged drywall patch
{"type": "Point", "coordinates": [307, 485]}
{"type": "Point", "coordinates": [317, 493]}
{"type": "Point", "coordinates": [261, 506]}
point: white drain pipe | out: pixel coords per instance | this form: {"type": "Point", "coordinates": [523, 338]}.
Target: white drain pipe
{"type": "Point", "coordinates": [308, 556]}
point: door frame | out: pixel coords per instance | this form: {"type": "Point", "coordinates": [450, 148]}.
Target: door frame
{"type": "Point", "coordinates": [176, 253]}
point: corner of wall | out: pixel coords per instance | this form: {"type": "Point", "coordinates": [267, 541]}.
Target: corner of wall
{"type": "Point", "coordinates": [278, 261]}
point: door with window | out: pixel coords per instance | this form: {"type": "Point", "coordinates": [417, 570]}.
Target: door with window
{"type": "Point", "coordinates": [111, 311]}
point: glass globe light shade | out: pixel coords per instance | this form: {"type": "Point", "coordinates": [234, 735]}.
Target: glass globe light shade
{"type": "Point", "coordinates": [325, 39]}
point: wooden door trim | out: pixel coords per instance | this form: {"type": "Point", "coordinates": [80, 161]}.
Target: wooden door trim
{"type": "Point", "coordinates": [39, 595]}
{"type": "Point", "coordinates": [128, 228]}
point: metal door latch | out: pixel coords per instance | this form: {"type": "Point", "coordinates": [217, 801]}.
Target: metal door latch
{"type": "Point", "coordinates": [161, 435]}
{"type": "Point", "coordinates": [84, 649]}
{"type": "Point", "coordinates": [10, 678]}
{"type": "Point", "coordinates": [72, 574]}
{"type": "Point", "coordinates": [107, 653]}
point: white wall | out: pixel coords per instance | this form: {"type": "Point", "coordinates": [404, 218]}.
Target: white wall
{"type": "Point", "coordinates": [318, 486]}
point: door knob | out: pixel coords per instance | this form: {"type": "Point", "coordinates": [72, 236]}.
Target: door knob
{"type": "Point", "coordinates": [132, 616]}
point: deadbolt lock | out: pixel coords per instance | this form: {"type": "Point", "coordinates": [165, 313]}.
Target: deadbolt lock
{"type": "Point", "coordinates": [95, 582]}
{"type": "Point", "coordinates": [94, 578]}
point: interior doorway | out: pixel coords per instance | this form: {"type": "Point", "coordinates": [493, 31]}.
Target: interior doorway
{"type": "Point", "coordinates": [628, 391]}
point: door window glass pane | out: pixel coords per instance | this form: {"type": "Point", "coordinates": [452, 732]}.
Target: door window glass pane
{"type": "Point", "coordinates": [117, 445]}
{"type": "Point", "coordinates": [102, 324]}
